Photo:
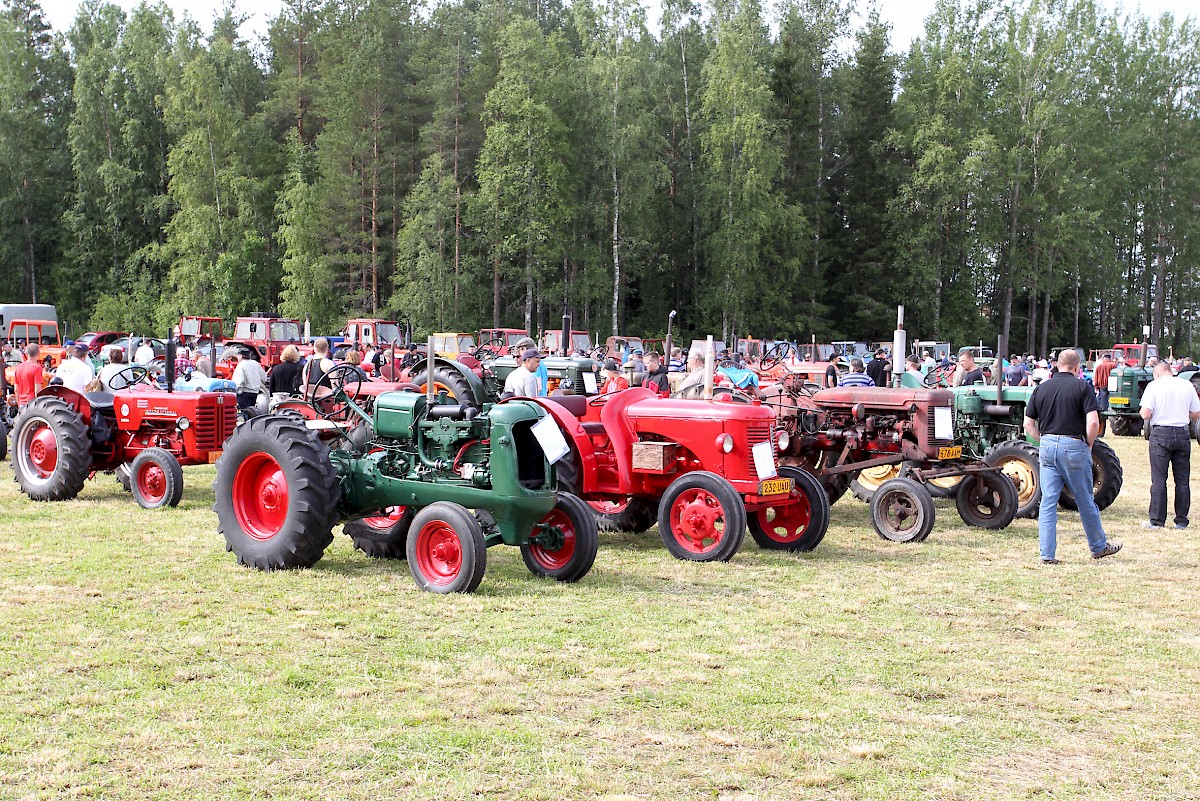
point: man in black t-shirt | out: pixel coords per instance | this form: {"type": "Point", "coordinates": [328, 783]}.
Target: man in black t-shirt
{"type": "Point", "coordinates": [1063, 414]}
{"type": "Point", "coordinates": [831, 372]}
{"type": "Point", "coordinates": [967, 373]}
{"type": "Point", "coordinates": [877, 368]}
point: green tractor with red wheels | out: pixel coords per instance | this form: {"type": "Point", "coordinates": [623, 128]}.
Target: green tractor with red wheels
{"type": "Point", "coordinates": [419, 477]}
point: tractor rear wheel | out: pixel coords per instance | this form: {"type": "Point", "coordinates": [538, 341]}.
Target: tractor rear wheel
{"type": "Point", "coordinates": [870, 479]}
{"type": "Point", "coordinates": [835, 486]}
{"type": "Point", "coordinates": [3, 431]}
{"type": "Point", "coordinates": [446, 552]}
{"type": "Point", "coordinates": [124, 476]}
{"type": "Point", "coordinates": [382, 536]}
{"type": "Point", "coordinates": [987, 500]}
{"type": "Point", "coordinates": [1196, 429]}
{"type": "Point", "coordinates": [446, 378]}
{"type": "Point", "coordinates": [902, 511]}
{"type": "Point", "coordinates": [571, 555]}
{"type": "Point", "coordinates": [1019, 460]}
{"type": "Point", "coordinates": [52, 455]}
{"type": "Point", "coordinates": [634, 514]}
{"type": "Point", "coordinates": [797, 526]}
{"type": "Point", "coordinates": [1126, 426]}
{"type": "Point", "coordinates": [701, 518]}
{"type": "Point", "coordinates": [156, 479]}
{"type": "Point", "coordinates": [1107, 478]}
{"type": "Point", "coordinates": [276, 494]}
{"type": "Point", "coordinates": [944, 487]}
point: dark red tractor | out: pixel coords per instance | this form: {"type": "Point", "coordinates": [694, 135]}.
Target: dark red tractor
{"type": "Point", "coordinates": [701, 469]}
{"type": "Point", "coordinates": [62, 438]}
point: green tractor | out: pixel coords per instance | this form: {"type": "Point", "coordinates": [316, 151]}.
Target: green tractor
{"type": "Point", "coordinates": [989, 424]}
{"type": "Point", "coordinates": [421, 478]}
{"type": "Point", "coordinates": [1126, 385]}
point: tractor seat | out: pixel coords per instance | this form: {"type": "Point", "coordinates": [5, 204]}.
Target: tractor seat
{"type": "Point", "coordinates": [99, 400]}
{"type": "Point", "coordinates": [575, 404]}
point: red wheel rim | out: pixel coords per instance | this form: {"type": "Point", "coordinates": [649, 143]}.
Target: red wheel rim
{"type": "Point", "coordinates": [697, 520]}
{"type": "Point", "coordinates": [152, 482]}
{"type": "Point", "coordinates": [390, 517]}
{"type": "Point", "coordinates": [43, 451]}
{"type": "Point", "coordinates": [439, 553]}
{"type": "Point", "coordinates": [786, 524]}
{"type": "Point", "coordinates": [260, 496]}
{"type": "Point", "coordinates": [561, 557]}
{"type": "Point", "coordinates": [609, 507]}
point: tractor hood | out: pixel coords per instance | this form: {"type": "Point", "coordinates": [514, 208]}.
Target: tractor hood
{"type": "Point", "coordinates": [988, 392]}
{"type": "Point", "coordinates": [684, 411]}
{"type": "Point", "coordinates": [875, 398]}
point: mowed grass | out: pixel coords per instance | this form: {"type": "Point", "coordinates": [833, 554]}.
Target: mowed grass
{"type": "Point", "coordinates": [138, 661]}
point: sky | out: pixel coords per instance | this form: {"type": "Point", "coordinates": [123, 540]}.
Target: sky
{"type": "Point", "coordinates": [907, 17]}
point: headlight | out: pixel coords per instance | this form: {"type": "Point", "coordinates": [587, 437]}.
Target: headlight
{"type": "Point", "coordinates": [183, 424]}
{"type": "Point", "coordinates": [725, 442]}
{"type": "Point", "coordinates": [783, 440]}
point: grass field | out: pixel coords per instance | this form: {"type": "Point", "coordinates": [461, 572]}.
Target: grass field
{"type": "Point", "coordinates": [138, 661]}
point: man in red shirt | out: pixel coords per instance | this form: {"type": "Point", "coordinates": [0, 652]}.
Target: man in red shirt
{"type": "Point", "coordinates": [27, 376]}
{"type": "Point", "coordinates": [1103, 370]}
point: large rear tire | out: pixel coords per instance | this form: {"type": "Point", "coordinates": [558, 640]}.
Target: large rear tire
{"type": "Point", "coordinates": [382, 536]}
{"type": "Point", "coordinates": [1019, 460]}
{"type": "Point", "coordinates": [52, 455]}
{"type": "Point", "coordinates": [1126, 426]}
{"type": "Point", "coordinates": [902, 511]}
{"type": "Point", "coordinates": [276, 494]}
{"type": "Point", "coordinates": [1107, 478]}
{"type": "Point", "coordinates": [701, 518]}
{"type": "Point", "coordinates": [987, 500]}
{"type": "Point", "coordinates": [446, 551]}
{"type": "Point", "coordinates": [797, 526]}
{"type": "Point", "coordinates": [870, 479]}
{"type": "Point", "coordinates": [450, 380]}
{"type": "Point", "coordinates": [156, 479]}
{"type": "Point", "coordinates": [572, 554]}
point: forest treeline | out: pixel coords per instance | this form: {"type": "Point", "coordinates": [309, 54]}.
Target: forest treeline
{"type": "Point", "coordinates": [1027, 168]}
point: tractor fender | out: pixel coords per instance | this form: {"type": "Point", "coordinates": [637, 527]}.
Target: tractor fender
{"type": "Point", "coordinates": [473, 381]}
{"type": "Point", "coordinates": [72, 398]}
{"type": "Point", "coordinates": [581, 443]}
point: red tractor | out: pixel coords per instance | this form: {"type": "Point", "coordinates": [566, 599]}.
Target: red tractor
{"type": "Point", "coordinates": [701, 469]}
{"type": "Point", "coordinates": [269, 336]}
{"type": "Point", "coordinates": [62, 438]}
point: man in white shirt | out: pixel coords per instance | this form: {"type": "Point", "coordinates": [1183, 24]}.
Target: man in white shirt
{"type": "Point", "coordinates": [251, 379]}
{"type": "Point", "coordinates": [1170, 407]}
{"type": "Point", "coordinates": [523, 382]}
{"type": "Point", "coordinates": [76, 371]}
{"type": "Point", "coordinates": [116, 363]}
{"type": "Point", "coordinates": [144, 354]}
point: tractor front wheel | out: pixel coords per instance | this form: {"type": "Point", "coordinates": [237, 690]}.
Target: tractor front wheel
{"type": "Point", "coordinates": [156, 479]}
{"type": "Point", "coordinates": [987, 500]}
{"type": "Point", "coordinates": [446, 551]}
{"type": "Point", "coordinates": [276, 494]}
{"type": "Point", "coordinates": [701, 518]}
{"type": "Point", "coordinates": [1107, 478]}
{"type": "Point", "coordinates": [796, 526]}
{"type": "Point", "coordinates": [52, 455]}
{"type": "Point", "coordinates": [571, 549]}
{"type": "Point", "coordinates": [382, 536]}
{"type": "Point", "coordinates": [902, 511]}
{"type": "Point", "coordinates": [1019, 460]}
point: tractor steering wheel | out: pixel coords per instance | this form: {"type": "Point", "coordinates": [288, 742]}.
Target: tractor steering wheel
{"type": "Point", "coordinates": [774, 355]}
{"type": "Point", "coordinates": [940, 376]}
{"type": "Point", "coordinates": [488, 348]}
{"type": "Point", "coordinates": [136, 375]}
{"type": "Point", "coordinates": [337, 395]}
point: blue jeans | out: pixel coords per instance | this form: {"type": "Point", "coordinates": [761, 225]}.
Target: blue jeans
{"type": "Point", "coordinates": [1068, 461]}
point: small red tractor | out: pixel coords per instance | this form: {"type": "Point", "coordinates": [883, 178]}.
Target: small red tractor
{"type": "Point", "coordinates": [908, 434]}
{"type": "Point", "coordinates": [702, 470]}
{"type": "Point", "coordinates": [62, 438]}
{"type": "Point", "coordinates": [269, 336]}
{"type": "Point", "coordinates": [44, 333]}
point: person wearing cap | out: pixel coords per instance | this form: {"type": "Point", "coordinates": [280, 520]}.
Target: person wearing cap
{"type": "Point", "coordinates": [523, 382]}
{"type": "Point", "coordinates": [76, 372]}
{"type": "Point", "coordinates": [524, 344]}
{"type": "Point", "coordinates": [613, 381]}
{"type": "Point", "coordinates": [565, 387]}
{"type": "Point", "coordinates": [411, 357]}
{"type": "Point", "coordinates": [638, 365]}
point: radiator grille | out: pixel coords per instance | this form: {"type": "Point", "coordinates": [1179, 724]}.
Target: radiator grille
{"type": "Point", "coordinates": [206, 427]}
{"type": "Point", "coordinates": [755, 435]}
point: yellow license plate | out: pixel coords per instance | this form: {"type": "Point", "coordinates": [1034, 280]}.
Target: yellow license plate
{"type": "Point", "coordinates": [213, 456]}
{"type": "Point", "coordinates": [775, 486]}
{"type": "Point", "coordinates": [950, 453]}
{"type": "Point", "coordinates": [1118, 401]}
